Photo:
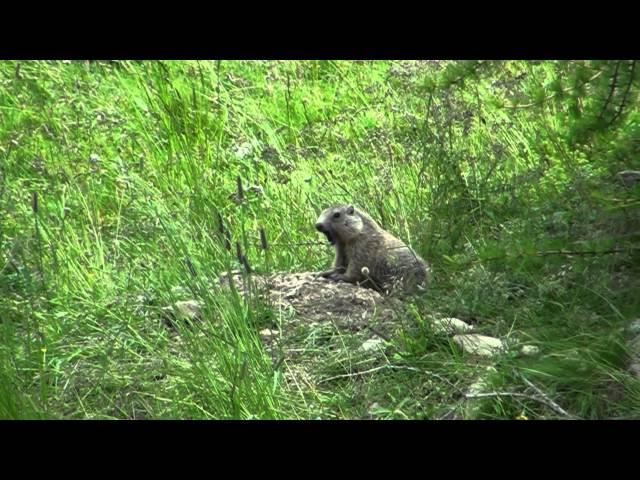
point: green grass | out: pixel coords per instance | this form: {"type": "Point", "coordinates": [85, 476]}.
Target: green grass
{"type": "Point", "coordinates": [114, 177]}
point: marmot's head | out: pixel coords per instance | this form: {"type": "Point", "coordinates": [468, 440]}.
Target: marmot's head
{"type": "Point", "coordinates": [340, 223]}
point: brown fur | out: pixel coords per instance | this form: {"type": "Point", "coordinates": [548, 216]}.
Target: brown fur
{"type": "Point", "coordinates": [362, 244]}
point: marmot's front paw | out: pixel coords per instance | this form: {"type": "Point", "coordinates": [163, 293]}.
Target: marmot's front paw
{"type": "Point", "coordinates": [337, 277]}
{"type": "Point", "coordinates": [322, 274]}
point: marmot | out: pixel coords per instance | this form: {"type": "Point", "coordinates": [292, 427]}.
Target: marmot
{"type": "Point", "coordinates": [367, 255]}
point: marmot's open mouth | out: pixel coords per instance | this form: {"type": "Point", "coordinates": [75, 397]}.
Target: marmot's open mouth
{"type": "Point", "coordinates": [330, 238]}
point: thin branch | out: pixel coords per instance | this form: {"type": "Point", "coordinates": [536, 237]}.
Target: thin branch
{"type": "Point", "coordinates": [542, 400]}
{"type": "Point", "coordinates": [392, 367]}
{"type": "Point", "coordinates": [281, 244]}
{"type": "Point", "coordinates": [357, 374]}
{"type": "Point", "coordinates": [586, 252]}
{"type": "Point", "coordinates": [626, 93]}
{"type": "Point", "coordinates": [547, 253]}
{"type": "Point", "coordinates": [614, 84]}
{"type": "Point", "coordinates": [556, 407]}
{"type": "Point", "coordinates": [561, 252]}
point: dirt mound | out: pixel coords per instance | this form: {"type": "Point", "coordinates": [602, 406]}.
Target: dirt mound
{"type": "Point", "coordinates": [314, 300]}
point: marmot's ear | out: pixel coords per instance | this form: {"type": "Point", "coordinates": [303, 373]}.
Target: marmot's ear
{"type": "Point", "coordinates": [350, 210]}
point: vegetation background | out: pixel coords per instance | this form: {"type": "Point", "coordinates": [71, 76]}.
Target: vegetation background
{"type": "Point", "coordinates": [115, 178]}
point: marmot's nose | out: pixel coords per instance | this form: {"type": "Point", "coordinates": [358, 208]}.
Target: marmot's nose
{"type": "Point", "coordinates": [320, 227]}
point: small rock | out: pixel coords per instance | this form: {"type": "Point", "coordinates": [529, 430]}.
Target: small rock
{"type": "Point", "coordinates": [475, 405]}
{"type": "Point", "coordinates": [634, 347]}
{"type": "Point", "coordinates": [450, 326]}
{"type": "Point", "coordinates": [481, 383]}
{"type": "Point", "coordinates": [268, 333]}
{"type": "Point", "coordinates": [373, 344]}
{"type": "Point", "coordinates": [244, 149]}
{"type": "Point", "coordinates": [482, 345]}
{"type": "Point", "coordinates": [629, 177]}
{"type": "Point", "coordinates": [189, 309]}
{"type": "Point", "coordinates": [634, 327]}
{"type": "Point", "coordinates": [142, 299]}
{"type": "Point", "coordinates": [529, 350]}
{"type": "Point", "coordinates": [180, 291]}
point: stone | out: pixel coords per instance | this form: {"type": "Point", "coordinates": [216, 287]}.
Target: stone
{"type": "Point", "coordinates": [189, 309]}
{"type": "Point", "coordinates": [634, 327]}
{"type": "Point", "coordinates": [633, 344]}
{"type": "Point", "coordinates": [373, 344]}
{"type": "Point", "coordinates": [529, 350]}
{"type": "Point", "coordinates": [634, 350]}
{"type": "Point", "coordinates": [450, 326]}
{"type": "Point", "coordinates": [373, 409]}
{"type": "Point", "coordinates": [475, 405]}
{"type": "Point", "coordinates": [629, 178]}
{"type": "Point", "coordinates": [481, 345]}
{"type": "Point", "coordinates": [268, 333]}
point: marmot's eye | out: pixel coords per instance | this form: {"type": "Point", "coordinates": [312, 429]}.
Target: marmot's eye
{"type": "Point", "coordinates": [336, 215]}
